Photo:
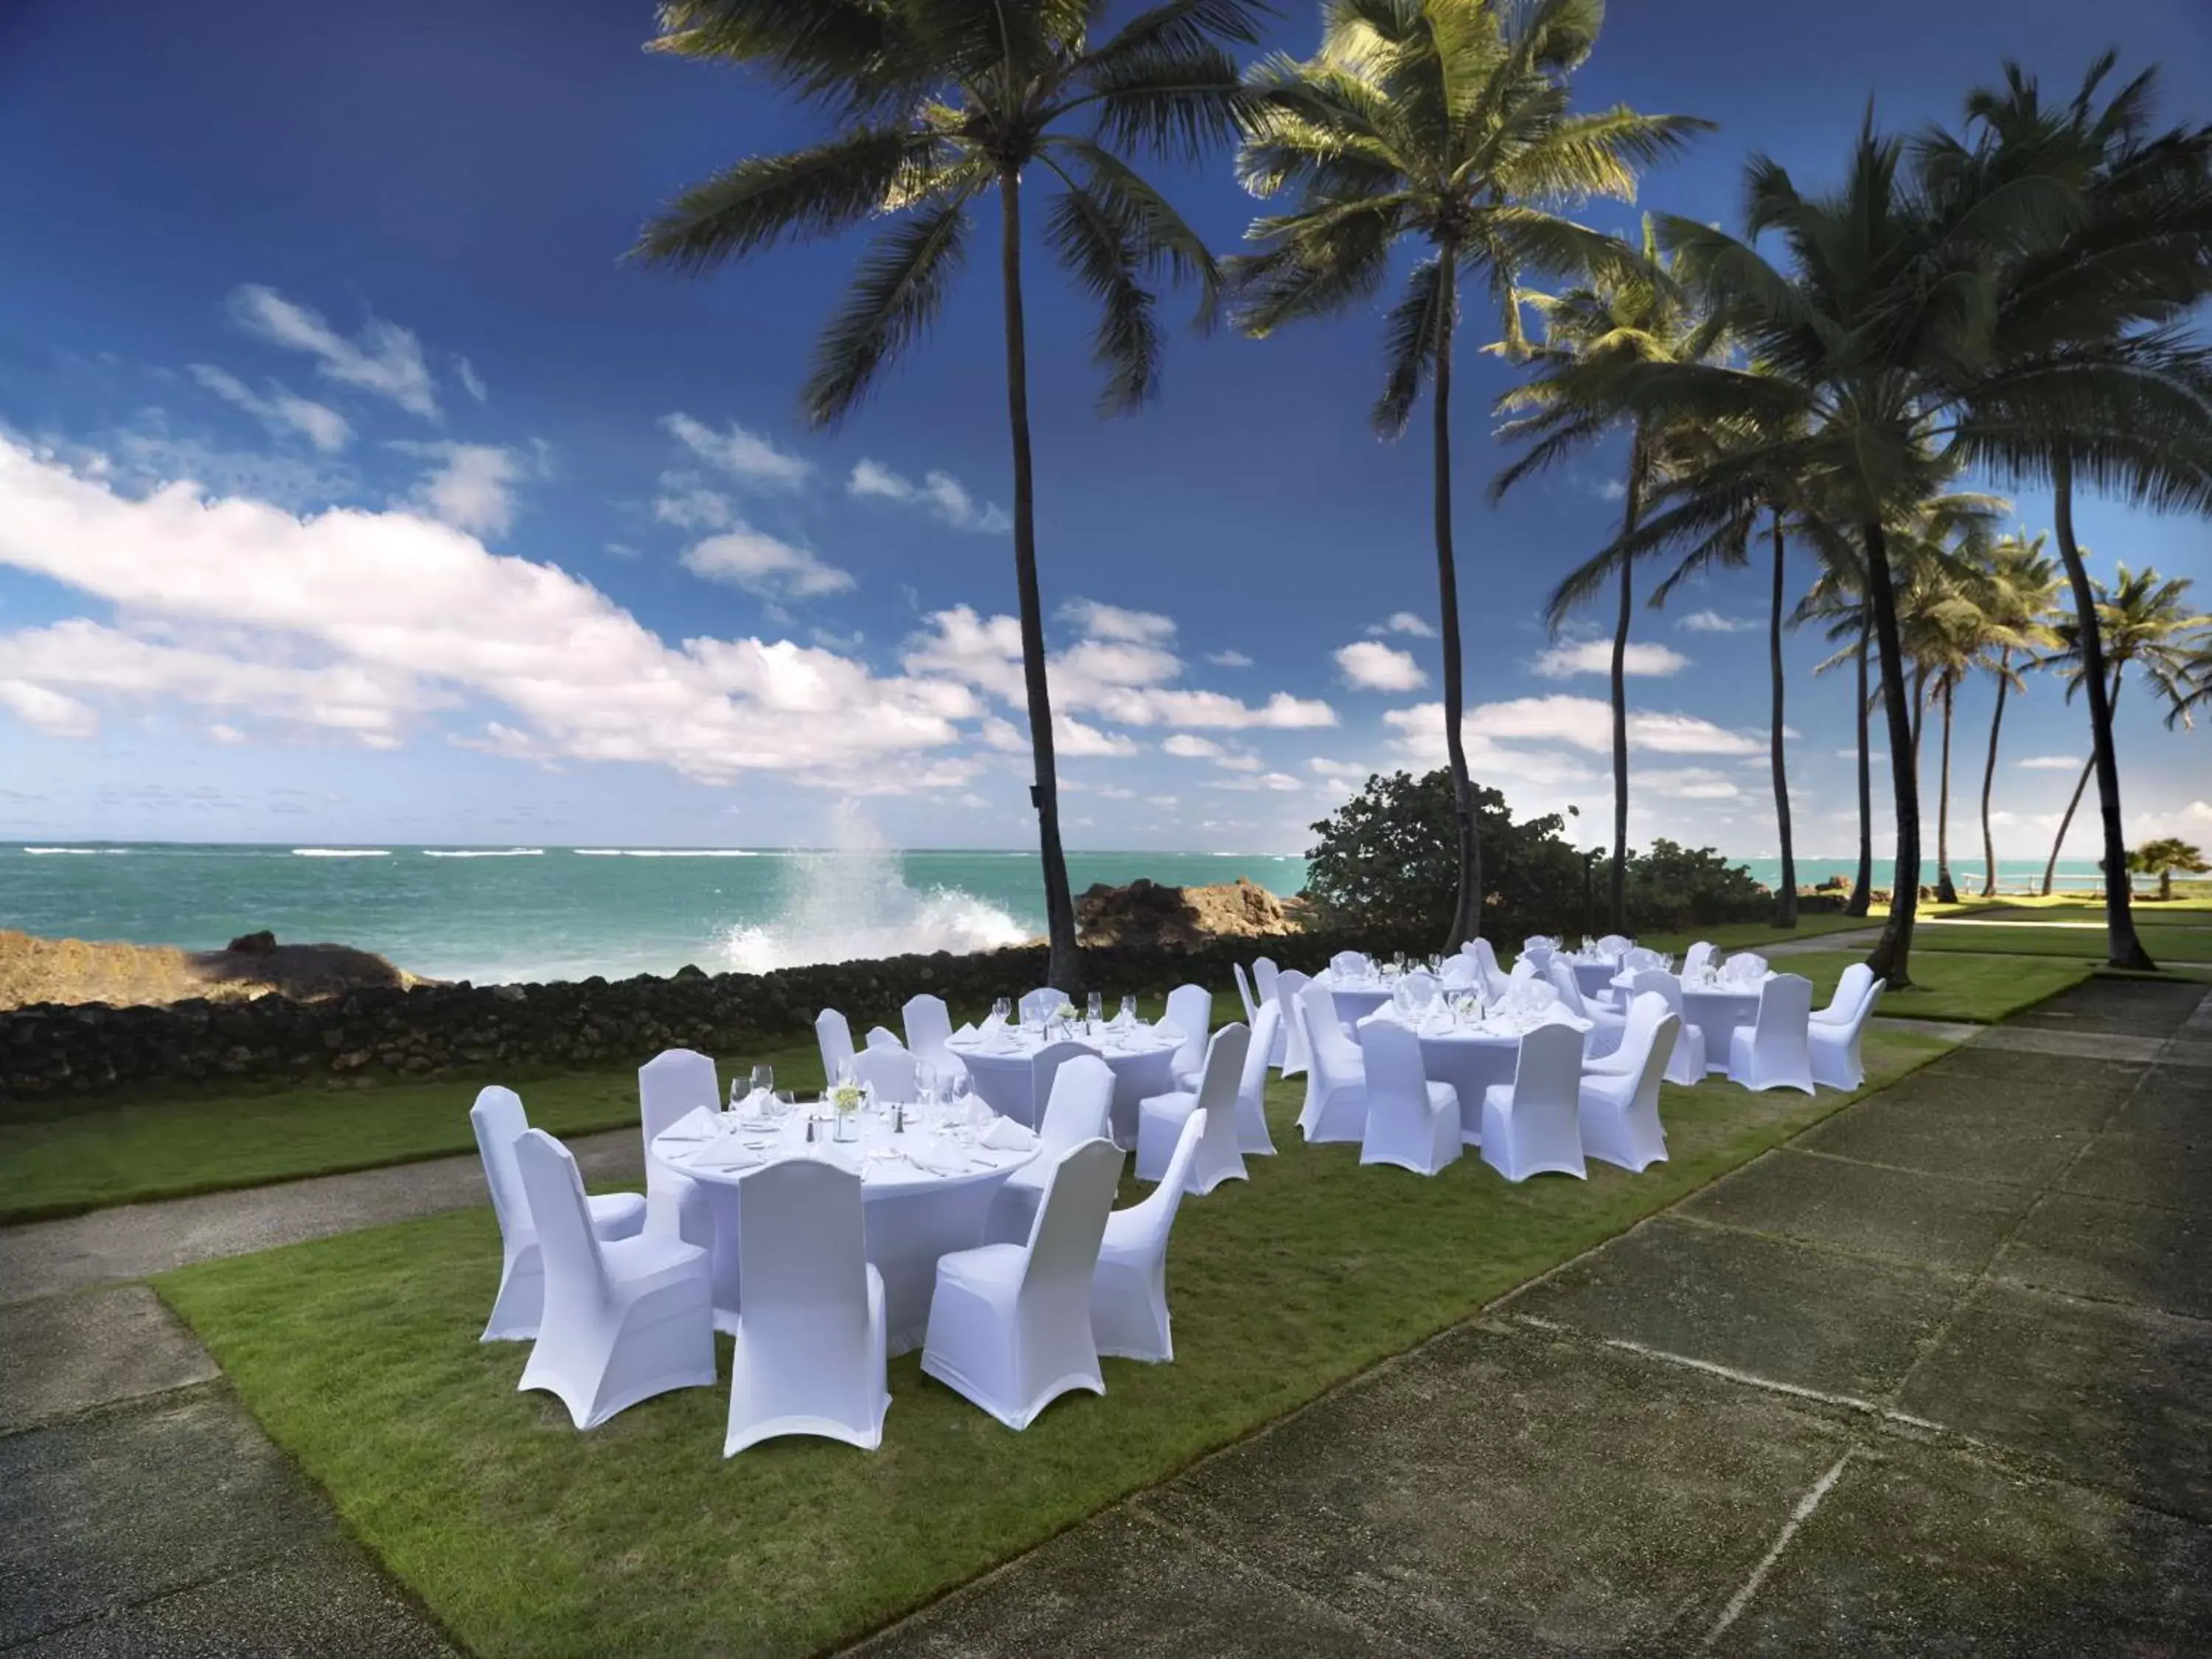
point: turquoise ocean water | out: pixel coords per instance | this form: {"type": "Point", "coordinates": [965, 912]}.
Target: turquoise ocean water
{"type": "Point", "coordinates": [489, 915]}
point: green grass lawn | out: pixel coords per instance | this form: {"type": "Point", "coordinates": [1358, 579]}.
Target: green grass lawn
{"type": "Point", "coordinates": [1740, 935]}
{"type": "Point", "coordinates": [2166, 939]}
{"type": "Point", "coordinates": [1950, 985]}
{"type": "Point", "coordinates": [360, 1356]}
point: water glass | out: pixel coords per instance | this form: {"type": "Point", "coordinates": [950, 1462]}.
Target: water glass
{"type": "Point", "coordinates": [1129, 1008]}
{"type": "Point", "coordinates": [764, 1081]}
{"type": "Point", "coordinates": [786, 1103]}
{"type": "Point", "coordinates": [1094, 1008]}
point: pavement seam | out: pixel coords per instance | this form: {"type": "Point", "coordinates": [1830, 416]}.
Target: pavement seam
{"type": "Point", "coordinates": [1937, 1175]}
{"type": "Point", "coordinates": [155, 1398]}
{"type": "Point", "coordinates": [1798, 1518]}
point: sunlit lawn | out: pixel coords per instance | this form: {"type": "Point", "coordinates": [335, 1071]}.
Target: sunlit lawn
{"type": "Point", "coordinates": [360, 1355]}
{"type": "Point", "coordinates": [1950, 985]}
{"type": "Point", "coordinates": [2167, 938]}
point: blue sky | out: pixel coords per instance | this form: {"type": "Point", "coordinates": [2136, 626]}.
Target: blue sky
{"type": "Point", "coordinates": [353, 487]}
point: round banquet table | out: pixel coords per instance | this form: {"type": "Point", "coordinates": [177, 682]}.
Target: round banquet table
{"type": "Point", "coordinates": [913, 1214]}
{"type": "Point", "coordinates": [1471, 1058]}
{"type": "Point", "coordinates": [1355, 998]}
{"type": "Point", "coordinates": [1716, 1009]}
{"type": "Point", "coordinates": [1141, 1060]}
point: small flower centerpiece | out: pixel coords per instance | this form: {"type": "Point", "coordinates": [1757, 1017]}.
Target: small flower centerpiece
{"type": "Point", "coordinates": [1064, 1016]}
{"type": "Point", "coordinates": [844, 1106]}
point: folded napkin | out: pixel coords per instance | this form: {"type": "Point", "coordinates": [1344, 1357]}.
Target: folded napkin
{"type": "Point", "coordinates": [1167, 1033]}
{"type": "Point", "coordinates": [965, 1033]}
{"type": "Point", "coordinates": [980, 1115]}
{"type": "Point", "coordinates": [1008, 1136]}
{"type": "Point", "coordinates": [727, 1154]}
{"type": "Point", "coordinates": [697, 1124]}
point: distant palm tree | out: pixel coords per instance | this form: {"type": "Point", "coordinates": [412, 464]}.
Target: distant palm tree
{"type": "Point", "coordinates": [940, 103]}
{"type": "Point", "coordinates": [1633, 312]}
{"type": "Point", "coordinates": [2163, 858]}
{"type": "Point", "coordinates": [1444, 122]}
{"type": "Point", "coordinates": [2140, 620]}
{"type": "Point", "coordinates": [2023, 585]}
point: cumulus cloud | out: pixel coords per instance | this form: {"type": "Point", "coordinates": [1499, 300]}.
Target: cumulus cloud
{"type": "Point", "coordinates": [471, 382]}
{"type": "Point", "coordinates": [761, 564]}
{"type": "Point", "coordinates": [1229, 659]}
{"type": "Point", "coordinates": [2051, 763]}
{"type": "Point", "coordinates": [743, 454]}
{"type": "Point", "coordinates": [1368, 666]}
{"type": "Point", "coordinates": [472, 486]}
{"type": "Point", "coordinates": [1596, 657]}
{"type": "Point", "coordinates": [45, 709]}
{"type": "Point", "coordinates": [1274, 782]}
{"type": "Point", "coordinates": [1184, 746]}
{"type": "Point", "coordinates": [1402, 622]}
{"type": "Point", "coordinates": [939, 494]}
{"type": "Point", "coordinates": [1686, 783]}
{"type": "Point", "coordinates": [283, 412]}
{"type": "Point", "coordinates": [383, 358]}
{"type": "Point", "coordinates": [1111, 622]}
{"type": "Point", "coordinates": [1554, 739]}
{"type": "Point", "coordinates": [1712, 622]}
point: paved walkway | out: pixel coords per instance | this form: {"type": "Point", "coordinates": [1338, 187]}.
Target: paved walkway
{"type": "Point", "coordinates": [1934, 1378]}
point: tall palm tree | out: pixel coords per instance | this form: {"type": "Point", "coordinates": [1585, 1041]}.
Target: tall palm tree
{"type": "Point", "coordinates": [1632, 312]}
{"type": "Point", "coordinates": [2023, 585]}
{"type": "Point", "coordinates": [1838, 599]}
{"type": "Point", "coordinates": [2096, 378]}
{"type": "Point", "coordinates": [1445, 123]}
{"type": "Point", "coordinates": [2142, 621]}
{"type": "Point", "coordinates": [940, 104]}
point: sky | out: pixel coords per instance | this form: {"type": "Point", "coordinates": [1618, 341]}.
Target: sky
{"type": "Point", "coordinates": [355, 488]}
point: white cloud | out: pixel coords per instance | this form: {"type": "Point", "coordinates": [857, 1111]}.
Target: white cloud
{"type": "Point", "coordinates": [1686, 783]}
{"type": "Point", "coordinates": [471, 382]}
{"type": "Point", "coordinates": [45, 709]}
{"type": "Point", "coordinates": [2192, 824]}
{"type": "Point", "coordinates": [1229, 659]}
{"type": "Point", "coordinates": [1072, 738]}
{"type": "Point", "coordinates": [761, 564]}
{"type": "Point", "coordinates": [745, 455]}
{"type": "Point", "coordinates": [1596, 657]}
{"type": "Point", "coordinates": [1111, 622]}
{"type": "Point", "coordinates": [2051, 763]}
{"type": "Point", "coordinates": [686, 502]}
{"type": "Point", "coordinates": [1402, 622]}
{"type": "Point", "coordinates": [283, 412]}
{"type": "Point", "coordinates": [383, 358]}
{"type": "Point", "coordinates": [941, 495]}
{"type": "Point", "coordinates": [1712, 622]}
{"type": "Point", "coordinates": [1370, 666]}
{"type": "Point", "coordinates": [364, 623]}
{"type": "Point", "coordinates": [1187, 747]}
{"type": "Point", "coordinates": [1611, 489]}
{"type": "Point", "coordinates": [472, 486]}
{"type": "Point", "coordinates": [1273, 782]}
{"type": "Point", "coordinates": [1340, 771]}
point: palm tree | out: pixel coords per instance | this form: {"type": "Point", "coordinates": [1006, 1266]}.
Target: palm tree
{"type": "Point", "coordinates": [2141, 620]}
{"type": "Point", "coordinates": [1633, 312]}
{"type": "Point", "coordinates": [940, 103]}
{"type": "Point", "coordinates": [2163, 857]}
{"type": "Point", "coordinates": [1838, 599]}
{"type": "Point", "coordinates": [2095, 378]}
{"type": "Point", "coordinates": [2023, 585]}
{"type": "Point", "coordinates": [1444, 122]}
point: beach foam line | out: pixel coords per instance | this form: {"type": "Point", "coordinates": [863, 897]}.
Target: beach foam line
{"type": "Point", "coordinates": [50, 852]}
{"type": "Point", "coordinates": [486, 853]}
{"type": "Point", "coordinates": [664, 853]}
{"type": "Point", "coordinates": [340, 853]}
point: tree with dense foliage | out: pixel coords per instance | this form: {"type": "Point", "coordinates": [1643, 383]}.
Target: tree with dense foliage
{"type": "Point", "coordinates": [2022, 584]}
{"type": "Point", "coordinates": [940, 103]}
{"type": "Point", "coordinates": [1445, 123]}
{"type": "Point", "coordinates": [2163, 858]}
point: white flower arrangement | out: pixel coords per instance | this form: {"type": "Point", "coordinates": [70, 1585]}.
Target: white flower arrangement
{"type": "Point", "coordinates": [846, 1098]}
{"type": "Point", "coordinates": [1065, 1012]}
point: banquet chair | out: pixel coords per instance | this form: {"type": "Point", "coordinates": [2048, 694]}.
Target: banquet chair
{"type": "Point", "coordinates": [1244, 995]}
{"type": "Point", "coordinates": [1190, 1011]}
{"type": "Point", "coordinates": [1411, 1122]}
{"type": "Point", "coordinates": [1843, 1007]}
{"type": "Point", "coordinates": [1420, 989]}
{"type": "Point", "coordinates": [1686, 1065]}
{"type": "Point", "coordinates": [1774, 1051]}
{"type": "Point", "coordinates": [1617, 1110]}
{"type": "Point", "coordinates": [1044, 1073]}
{"type": "Point", "coordinates": [882, 1036]}
{"type": "Point", "coordinates": [671, 1085]}
{"type": "Point", "coordinates": [1615, 944]}
{"type": "Point", "coordinates": [1696, 959]}
{"type": "Point", "coordinates": [1264, 977]}
{"type": "Point", "coordinates": [1460, 973]}
{"type": "Point", "coordinates": [1252, 1137]}
{"type": "Point", "coordinates": [1160, 1119]}
{"type": "Point", "coordinates": [892, 1072]}
{"type": "Point", "coordinates": [1289, 988]}
{"type": "Point", "coordinates": [1077, 1109]}
{"type": "Point", "coordinates": [1336, 1086]}
{"type": "Point", "coordinates": [810, 1352]}
{"type": "Point", "coordinates": [1834, 1044]}
{"type": "Point", "coordinates": [499, 1121]}
{"type": "Point", "coordinates": [1605, 1023]}
{"type": "Point", "coordinates": [834, 1038]}
{"type": "Point", "coordinates": [1744, 966]}
{"type": "Point", "coordinates": [1009, 1324]}
{"type": "Point", "coordinates": [1041, 1004]}
{"type": "Point", "coordinates": [1493, 980]}
{"type": "Point", "coordinates": [1348, 963]}
{"type": "Point", "coordinates": [626, 1318]}
{"type": "Point", "coordinates": [929, 1031]}
{"type": "Point", "coordinates": [1529, 1126]}
{"type": "Point", "coordinates": [1130, 1286]}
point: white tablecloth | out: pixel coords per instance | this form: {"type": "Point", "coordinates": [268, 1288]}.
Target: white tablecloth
{"type": "Point", "coordinates": [913, 1215]}
{"type": "Point", "coordinates": [1716, 1008]}
{"type": "Point", "coordinates": [1140, 1060]}
{"type": "Point", "coordinates": [1471, 1058]}
{"type": "Point", "coordinates": [1592, 974]}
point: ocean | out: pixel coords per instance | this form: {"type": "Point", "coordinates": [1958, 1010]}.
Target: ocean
{"type": "Point", "coordinates": [491, 914]}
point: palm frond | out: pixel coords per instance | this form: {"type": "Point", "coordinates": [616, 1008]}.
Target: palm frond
{"type": "Point", "coordinates": [897, 293]}
{"type": "Point", "coordinates": [1411, 337]}
{"type": "Point", "coordinates": [1095, 245]}
{"type": "Point", "coordinates": [767, 199]}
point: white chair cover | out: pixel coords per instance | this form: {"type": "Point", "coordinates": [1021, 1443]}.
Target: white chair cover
{"type": "Point", "coordinates": [1244, 995]}
{"type": "Point", "coordinates": [1638, 960]}
{"type": "Point", "coordinates": [1160, 1119]}
{"type": "Point", "coordinates": [1420, 990]}
{"type": "Point", "coordinates": [810, 1352]}
{"type": "Point", "coordinates": [1044, 1072]}
{"type": "Point", "coordinates": [1605, 1022]}
{"type": "Point", "coordinates": [1618, 1113]}
{"type": "Point", "coordinates": [834, 1038]}
{"type": "Point", "coordinates": [1290, 987]}
{"type": "Point", "coordinates": [1695, 958]}
{"type": "Point", "coordinates": [1746, 967]}
{"type": "Point", "coordinates": [673, 1082]}
{"type": "Point", "coordinates": [1774, 1051]}
{"type": "Point", "coordinates": [625, 1319]}
{"type": "Point", "coordinates": [1190, 1011]}
{"type": "Point", "coordinates": [929, 1030]}
{"type": "Point", "coordinates": [1461, 972]}
{"type": "Point", "coordinates": [1078, 1107]}
{"type": "Point", "coordinates": [1041, 1004]}
{"type": "Point", "coordinates": [499, 1121]}
{"type": "Point", "coordinates": [1264, 977]}
{"type": "Point", "coordinates": [1336, 1085]}
{"type": "Point", "coordinates": [1009, 1324]}
{"type": "Point", "coordinates": [1686, 1064]}
{"type": "Point", "coordinates": [1615, 944]}
{"type": "Point", "coordinates": [1850, 989]}
{"type": "Point", "coordinates": [882, 1036]}
{"type": "Point", "coordinates": [1529, 1124]}
{"type": "Point", "coordinates": [1252, 1137]}
{"type": "Point", "coordinates": [1411, 1122]}
{"type": "Point", "coordinates": [1348, 963]}
{"type": "Point", "coordinates": [1493, 980]}
{"type": "Point", "coordinates": [1834, 1045]}
{"type": "Point", "coordinates": [1129, 1288]}
{"type": "Point", "coordinates": [892, 1071]}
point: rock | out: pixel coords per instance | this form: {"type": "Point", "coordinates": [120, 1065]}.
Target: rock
{"type": "Point", "coordinates": [1146, 912]}
{"type": "Point", "coordinates": [689, 971]}
{"type": "Point", "coordinates": [263, 944]}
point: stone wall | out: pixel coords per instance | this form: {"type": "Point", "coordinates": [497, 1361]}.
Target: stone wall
{"type": "Point", "coordinates": [55, 1050]}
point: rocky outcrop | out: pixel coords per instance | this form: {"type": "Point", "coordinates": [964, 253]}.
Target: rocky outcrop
{"type": "Point", "coordinates": [69, 971]}
{"type": "Point", "coordinates": [1146, 912]}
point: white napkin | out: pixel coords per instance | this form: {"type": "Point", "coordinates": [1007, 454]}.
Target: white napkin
{"type": "Point", "coordinates": [1008, 1136]}
{"type": "Point", "coordinates": [965, 1033]}
{"type": "Point", "coordinates": [980, 1115]}
{"type": "Point", "coordinates": [727, 1154]}
{"type": "Point", "coordinates": [1167, 1033]}
{"type": "Point", "coordinates": [695, 1125]}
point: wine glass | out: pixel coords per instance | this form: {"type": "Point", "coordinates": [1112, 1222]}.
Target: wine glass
{"type": "Point", "coordinates": [763, 1081]}
{"type": "Point", "coordinates": [1001, 1009]}
{"type": "Point", "coordinates": [1094, 1010]}
{"type": "Point", "coordinates": [786, 1103]}
{"type": "Point", "coordinates": [1129, 1009]}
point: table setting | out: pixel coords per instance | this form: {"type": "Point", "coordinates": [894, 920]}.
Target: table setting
{"type": "Point", "coordinates": [998, 1053]}
{"type": "Point", "coordinates": [1472, 1044]}
{"type": "Point", "coordinates": [1722, 995]}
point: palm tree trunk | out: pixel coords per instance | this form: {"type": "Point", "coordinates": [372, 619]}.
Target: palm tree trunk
{"type": "Point", "coordinates": [1619, 907]}
{"type": "Point", "coordinates": [1064, 968]}
{"type": "Point", "coordinates": [2073, 802]}
{"type": "Point", "coordinates": [1785, 895]}
{"type": "Point", "coordinates": [1466, 912]}
{"type": "Point", "coordinates": [1892, 956]}
{"type": "Point", "coordinates": [1862, 898]}
{"type": "Point", "coordinates": [1946, 891]}
{"type": "Point", "coordinates": [1989, 775]}
{"type": "Point", "coordinates": [2122, 948]}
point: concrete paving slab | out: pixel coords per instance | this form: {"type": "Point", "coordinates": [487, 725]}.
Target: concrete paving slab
{"type": "Point", "coordinates": [2079, 1104]}
{"type": "Point", "coordinates": [134, 1241]}
{"type": "Point", "coordinates": [2089, 1247]}
{"type": "Point", "coordinates": [1501, 1492]}
{"type": "Point", "coordinates": [1902, 1215]}
{"type": "Point", "coordinates": [69, 1353]}
{"type": "Point", "coordinates": [1941, 1556]}
{"type": "Point", "coordinates": [2192, 1051]}
{"type": "Point", "coordinates": [1124, 1584]}
{"type": "Point", "coordinates": [2146, 1009]}
{"type": "Point", "coordinates": [1760, 1306]}
{"type": "Point", "coordinates": [1985, 1062]}
{"type": "Point", "coordinates": [2118, 1397]}
{"type": "Point", "coordinates": [2171, 1100]}
{"type": "Point", "coordinates": [1971, 1145]}
{"type": "Point", "coordinates": [2154, 1170]}
{"type": "Point", "coordinates": [2072, 1044]}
